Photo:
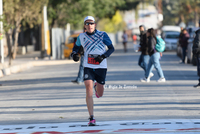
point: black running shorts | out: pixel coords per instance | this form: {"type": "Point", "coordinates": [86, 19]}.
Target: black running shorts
{"type": "Point", "coordinates": [98, 74]}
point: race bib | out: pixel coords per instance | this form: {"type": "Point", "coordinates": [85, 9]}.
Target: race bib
{"type": "Point", "coordinates": [91, 59]}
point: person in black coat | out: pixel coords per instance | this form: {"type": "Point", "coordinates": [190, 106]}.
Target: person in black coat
{"type": "Point", "coordinates": [196, 53]}
{"type": "Point", "coordinates": [144, 57]}
{"type": "Point", "coordinates": [154, 58]}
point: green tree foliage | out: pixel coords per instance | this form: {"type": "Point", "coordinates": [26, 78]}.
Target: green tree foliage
{"type": "Point", "coordinates": [97, 8]}
{"type": "Point", "coordinates": [16, 11]}
{"type": "Point", "coordinates": [180, 11]}
{"type": "Point", "coordinates": [74, 11]}
{"type": "Point", "coordinates": [129, 5]}
{"type": "Point", "coordinates": [114, 24]}
{"type": "Point", "coordinates": [55, 12]}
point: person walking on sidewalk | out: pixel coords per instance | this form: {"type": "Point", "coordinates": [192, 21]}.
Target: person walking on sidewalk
{"type": "Point", "coordinates": [94, 43]}
{"type": "Point", "coordinates": [196, 53]}
{"type": "Point", "coordinates": [79, 78]}
{"type": "Point", "coordinates": [125, 40]}
{"type": "Point", "coordinates": [154, 58]}
{"type": "Point", "coordinates": [184, 43]}
{"type": "Point", "coordinates": [144, 57]}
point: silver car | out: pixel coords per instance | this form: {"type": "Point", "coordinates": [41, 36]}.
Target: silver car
{"type": "Point", "coordinates": [171, 39]}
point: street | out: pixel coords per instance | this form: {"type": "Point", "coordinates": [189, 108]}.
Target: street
{"type": "Point", "coordinates": [46, 95]}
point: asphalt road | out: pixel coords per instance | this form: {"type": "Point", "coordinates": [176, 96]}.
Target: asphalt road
{"type": "Point", "coordinates": [45, 94]}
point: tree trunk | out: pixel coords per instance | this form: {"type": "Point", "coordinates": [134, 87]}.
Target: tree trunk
{"type": "Point", "coordinates": [14, 51]}
{"type": "Point", "coordinates": [196, 18]}
{"type": "Point", "coordinates": [10, 44]}
{"type": "Point", "coordinates": [16, 42]}
{"type": "Point", "coordinates": [182, 18]}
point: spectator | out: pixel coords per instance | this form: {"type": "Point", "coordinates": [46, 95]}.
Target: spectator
{"type": "Point", "coordinates": [79, 78]}
{"type": "Point", "coordinates": [196, 53]}
{"type": "Point", "coordinates": [184, 43]}
{"type": "Point", "coordinates": [134, 39]}
{"type": "Point", "coordinates": [125, 40]}
{"type": "Point", "coordinates": [154, 58]}
{"type": "Point", "coordinates": [144, 57]}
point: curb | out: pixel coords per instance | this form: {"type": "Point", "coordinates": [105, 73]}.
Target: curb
{"type": "Point", "coordinates": [15, 69]}
{"type": "Point", "coordinates": [22, 67]}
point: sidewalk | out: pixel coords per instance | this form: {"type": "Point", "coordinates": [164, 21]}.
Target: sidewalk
{"type": "Point", "coordinates": [24, 62]}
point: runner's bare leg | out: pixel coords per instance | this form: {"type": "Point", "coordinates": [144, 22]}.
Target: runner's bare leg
{"type": "Point", "coordinates": [100, 89]}
{"type": "Point", "coordinates": [89, 98]}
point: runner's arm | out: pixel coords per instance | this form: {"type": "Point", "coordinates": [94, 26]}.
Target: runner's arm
{"type": "Point", "coordinates": [110, 50]}
{"type": "Point", "coordinates": [108, 43]}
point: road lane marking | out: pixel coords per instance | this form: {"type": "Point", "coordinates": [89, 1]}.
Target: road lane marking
{"type": "Point", "coordinates": [140, 126]}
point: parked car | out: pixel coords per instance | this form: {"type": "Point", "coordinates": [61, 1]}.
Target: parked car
{"type": "Point", "coordinates": [171, 39]}
{"type": "Point", "coordinates": [69, 44]}
{"type": "Point", "coordinates": [169, 28]}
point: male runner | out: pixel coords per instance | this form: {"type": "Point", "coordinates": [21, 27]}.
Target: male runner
{"type": "Point", "coordinates": [94, 43]}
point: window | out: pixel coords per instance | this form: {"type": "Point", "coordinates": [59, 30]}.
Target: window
{"type": "Point", "coordinates": [172, 36]}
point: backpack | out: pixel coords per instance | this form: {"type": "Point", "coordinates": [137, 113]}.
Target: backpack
{"type": "Point", "coordinates": [160, 45]}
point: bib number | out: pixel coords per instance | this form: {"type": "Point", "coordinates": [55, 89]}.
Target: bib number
{"type": "Point", "coordinates": [91, 59]}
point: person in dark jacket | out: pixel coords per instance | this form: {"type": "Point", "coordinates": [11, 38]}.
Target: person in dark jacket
{"type": "Point", "coordinates": [144, 57]}
{"type": "Point", "coordinates": [154, 58]}
{"type": "Point", "coordinates": [196, 53]}
{"type": "Point", "coordinates": [79, 78]}
{"type": "Point", "coordinates": [184, 43]}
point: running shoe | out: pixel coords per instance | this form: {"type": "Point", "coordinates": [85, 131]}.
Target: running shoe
{"type": "Point", "coordinates": [197, 86]}
{"type": "Point", "coordinates": [151, 75]}
{"type": "Point", "coordinates": [76, 82]}
{"type": "Point", "coordinates": [95, 86]}
{"type": "Point", "coordinates": [145, 80]}
{"type": "Point", "coordinates": [161, 80]}
{"type": "Point", "coordinates": [92, 122]}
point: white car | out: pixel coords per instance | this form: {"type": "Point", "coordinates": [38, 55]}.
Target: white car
{"type": "Point", "coordinates": [171, 39]}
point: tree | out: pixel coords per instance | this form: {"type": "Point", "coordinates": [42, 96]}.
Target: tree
{"type": "Point", "coordinates": [114, 24]}
{"type": "Point", "coordinates": [194, 6]}
{"type": "Point", "coordinates": [16, 11]}
{"type": "Point", "coordinates": [98, 8]}
{"type": "Point", "coordinates": [54, 11]}
{"type": "Point", "coordinates": [74, 11]}
{"type": "Point", "coordinates": [181, 11]}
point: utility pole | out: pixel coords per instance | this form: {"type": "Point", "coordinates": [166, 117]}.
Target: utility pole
{"type": "Point", "coordinates": [1, 32]}
{"type": "Point", "coordinates": [143, 12]}
{"type": "Point", "coordinates": [45, 49]}
{"type": "Point", "coordinates": [160, 12]}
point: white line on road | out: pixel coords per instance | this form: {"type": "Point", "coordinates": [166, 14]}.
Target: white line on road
{"type": "Point", "coordinates": [134, 126]}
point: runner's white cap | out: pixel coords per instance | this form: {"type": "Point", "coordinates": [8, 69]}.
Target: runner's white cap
{"type": "Point", "coordinates": [89, 18]}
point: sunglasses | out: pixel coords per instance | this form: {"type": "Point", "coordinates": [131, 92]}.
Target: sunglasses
{"type": "Point", "coordinates": [89, 23]}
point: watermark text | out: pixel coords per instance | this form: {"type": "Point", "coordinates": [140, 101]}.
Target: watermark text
{"type": "Point", "coordinates": [120, 86]}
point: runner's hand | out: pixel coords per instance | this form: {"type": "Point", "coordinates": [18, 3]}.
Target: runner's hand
{"type": "Point", "coordinates": [75, 56]}
{"type": "Point", "coordinates": [100, 58]}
